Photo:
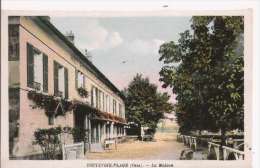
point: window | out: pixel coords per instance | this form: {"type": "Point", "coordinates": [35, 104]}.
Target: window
{"type": "Point", "coordinates": [60, 80]}
{"type": "Point", "coordinates": [120, 110]}
{"type": "Point", "coordinates": [102, 101]}
{"type": "Point", "coordinates": [107, 103]}
{"type": "Point", "coordinates": [107, 131]}
{"type": "Point", "coordinates": [80, 80]}
{"type": "Point", "coordinates": [97, 97]}
{"type": "Point", "coordinates": [93, 96]}
{"type": "Point", "coordinates": [95, 133]}
{"type": "Point", "coordinates": [37, 69]}
{"type": "Point", "coordinates": [114, 106]}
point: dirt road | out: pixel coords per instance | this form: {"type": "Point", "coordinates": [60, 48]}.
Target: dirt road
{"type": "Point", "coordinates": [165, 147]}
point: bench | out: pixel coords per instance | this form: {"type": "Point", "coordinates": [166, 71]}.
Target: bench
{"type": "Point", "coordinates": [147, 137]}
{"type": "Point", "coordinates": [109, 142]}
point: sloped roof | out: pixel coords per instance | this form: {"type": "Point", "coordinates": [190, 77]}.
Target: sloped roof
{"type": "Point", "coordinates": [88, 64]}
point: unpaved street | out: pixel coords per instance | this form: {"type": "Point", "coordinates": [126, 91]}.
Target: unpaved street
{"type": "Point", "coordinates": [164, 148]}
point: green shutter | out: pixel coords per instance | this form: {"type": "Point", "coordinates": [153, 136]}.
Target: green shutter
{"type": "Point", "coordinates": [30, 63]}
{"type": "Point", "coordinates": [45, 73]}
{"type": "Point", "coordinates": [66, 82]}
{"type": "Point", "coordinates": [51, 119]}
{"type": "Point", "coordinates": [76, 79]}
{"type": "Point", "coordinates": [55, 75]}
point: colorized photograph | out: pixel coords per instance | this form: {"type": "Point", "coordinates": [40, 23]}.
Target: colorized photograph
{"type": "Point", "coordinates": [126, 88]}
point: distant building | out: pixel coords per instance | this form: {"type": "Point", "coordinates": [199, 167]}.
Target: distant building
{"type": "Point", "coordinates": [42, 61]}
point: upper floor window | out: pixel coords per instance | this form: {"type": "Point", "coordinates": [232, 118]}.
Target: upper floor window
{"type": "Point", "coordinates": [80, 80]}
{"type": "Point", "coordinates": [60, 80]}
{"type": "Point", "coordinates": [120, 110]}
{"type": "Point", "coordinates": [102, 101]}
{"type": "Point", "coordinates": [37, 69]}
{"type": "Point", "coordinates": [114, 106]}
{"type": "Point", "coordinates": [107, 103]}
{"type": "Point", "coordinates": [98, 98]}
{"type": "Point", "coordinates": [93, 96]}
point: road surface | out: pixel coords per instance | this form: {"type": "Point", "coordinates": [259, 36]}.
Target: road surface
{"type": "Point", "coordinates": [165, 147]}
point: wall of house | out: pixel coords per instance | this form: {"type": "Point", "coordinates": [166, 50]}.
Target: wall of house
{"type": "Point", "coordinates": [59, 52]}
{"type": "Point", "coordinates": [14, 98]}
{"type": "Point", "coordinates": [32, 119]}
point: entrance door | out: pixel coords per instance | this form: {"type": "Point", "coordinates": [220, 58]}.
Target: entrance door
{"type": "Point", "coordinates": [79, 121]}
{"type": "Point", "coordinates": [96, 145]}
{"type": "Point", "coordinates": [95, 132]}
{"type": "Point", "coordinates": [108, 131]}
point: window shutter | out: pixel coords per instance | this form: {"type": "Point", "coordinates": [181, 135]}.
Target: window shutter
{"type": "Point", "coordinates": [66, 83]}
{"type": "Point", "coordinates": [92, 96]}
{"type": "Point", "coordinates": [55, 75]}
{"type": "Point", "coordinates": [84, 78]}
{"type": "Point", "coordinates": [30, 62]}
{"type": "Point", "coordinates": [45, 73]}
{"type": "Point", "coordinates": [76, 79]}
{"type": "Point", "coordinates": [99, 99]}
{"type": "Point", "coordinates": [51, 119]}
{"type": "Point", "coordinates": [103, 95]}
{"type": "Point", "coordinates": [97, 103]}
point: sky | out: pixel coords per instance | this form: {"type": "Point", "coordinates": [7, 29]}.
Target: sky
{"type": "Point", "coordinates": [121, 47]}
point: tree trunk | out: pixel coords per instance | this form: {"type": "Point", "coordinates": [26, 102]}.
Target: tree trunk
{"type": "Point", "coordinates": [223, 142]}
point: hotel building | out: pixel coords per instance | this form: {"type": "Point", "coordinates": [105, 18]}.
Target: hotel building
{"type": "Point", "coordinates": [44, 64]}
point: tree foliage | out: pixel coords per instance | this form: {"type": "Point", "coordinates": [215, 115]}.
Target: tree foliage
{"type": "Point", "coordinates": [144, 104]}
{"type": "Point", "coordinates": [49, 139]}
{"type": "Point", "coordinates": [205, 71]}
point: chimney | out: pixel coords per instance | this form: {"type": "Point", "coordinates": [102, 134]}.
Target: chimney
{"type": "Point", "coordinates": [88, 55]}
{"type": "Point", "coordinates": [70, 36]}
{"type": "Point", "coordinates": [48, 18]}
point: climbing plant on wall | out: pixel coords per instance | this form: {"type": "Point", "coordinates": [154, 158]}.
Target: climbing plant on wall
{"type": "Point", "coordinates": [49, 103]}
{"type": "Point", "coordinates": [83, 92]}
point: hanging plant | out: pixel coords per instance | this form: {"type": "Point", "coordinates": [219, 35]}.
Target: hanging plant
{"type": "Point", "coordinates": [83, 92]}
{"type": "Point", "coordinates": [119, 119]}
{"type": "Point", "coordinates": [109, 116]}
{"type": "Point", "coordinates": [49, 103]}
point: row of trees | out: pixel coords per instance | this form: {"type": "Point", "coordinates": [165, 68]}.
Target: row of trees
{"type": "Point", "coordinates": [205, 70]}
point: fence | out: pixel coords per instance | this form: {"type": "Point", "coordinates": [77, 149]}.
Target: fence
{"type": "Point", "coordinates": [213, 147]}
{"type": "Point", "coordinates": [228, 152]}
{"type": "Point", "coordinates": [188, 140]}
{"type": "Point", "coordinates": [73, 151]}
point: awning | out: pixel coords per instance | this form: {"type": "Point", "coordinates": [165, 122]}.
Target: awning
{"type": "Point", "coordinates": [96, 114]}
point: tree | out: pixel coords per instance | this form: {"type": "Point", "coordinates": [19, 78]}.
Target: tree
{"type": "Point", "coordinates": [205, 71]}
{"type": "Point", "coordinates": [50, 140]}
{"type": "Point", "coordinates": [144, 104]}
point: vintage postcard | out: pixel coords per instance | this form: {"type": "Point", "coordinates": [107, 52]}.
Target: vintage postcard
{"type": "Point", "coordinates": [127, 89]}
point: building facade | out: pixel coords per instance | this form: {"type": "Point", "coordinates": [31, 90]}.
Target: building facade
{"type": "Point", "coordinates": [45, 64]}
